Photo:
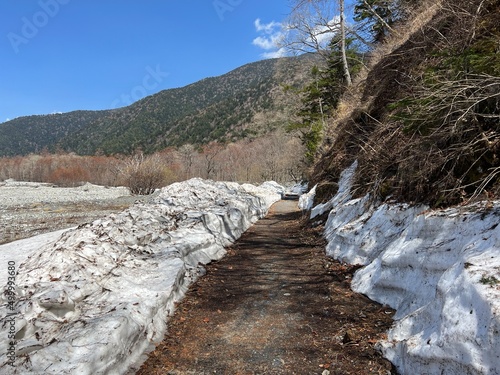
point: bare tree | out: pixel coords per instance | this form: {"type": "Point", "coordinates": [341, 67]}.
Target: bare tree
{"type": "Point", "coordinates": [345, 65]}
{"type": "Point", "coordinates": [313, 24]}
{"type": "Point", "coordinates": [187, 153]}
{"type": "Point", "coordinates": [210, 153]}
{"type": "Point", "coordinates": [310, 26]}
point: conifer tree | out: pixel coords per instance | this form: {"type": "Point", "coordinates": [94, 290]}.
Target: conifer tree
{"type": "Point", "coordinates": [379, 16]}
{"type": "Point", "coordinates": [320, 98]}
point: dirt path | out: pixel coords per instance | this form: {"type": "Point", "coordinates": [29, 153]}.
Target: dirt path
{"type": "Point", "coordinates": [274, 305]}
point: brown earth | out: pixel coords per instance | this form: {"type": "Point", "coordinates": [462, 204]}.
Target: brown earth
{"type": "Point", "coordinates": [274, 305]}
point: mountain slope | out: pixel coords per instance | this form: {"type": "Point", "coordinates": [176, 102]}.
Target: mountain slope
{"type": "Point", "coordinates": [244, 102]}
{"type": "Point", "coordinates": [425, 124]}
{"type": "Point", "coordinates": [32, 134]}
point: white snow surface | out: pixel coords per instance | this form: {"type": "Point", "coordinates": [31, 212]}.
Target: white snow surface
{"type": "Point", "coordinates": [440, 270]}
{"type": "Point", "coordinates": [306, 200]}
{"type": "Point", "coordinates": [92, 301]}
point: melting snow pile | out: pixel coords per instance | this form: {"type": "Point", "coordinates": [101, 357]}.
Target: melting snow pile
{"type": "Point", "coordinates": [92, 301]}
{"type": "Point", "coordinates": [439, 269]}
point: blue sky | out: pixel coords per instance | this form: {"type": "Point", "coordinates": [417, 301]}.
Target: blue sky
{"type": "Point", "coordinates": [64, 55]}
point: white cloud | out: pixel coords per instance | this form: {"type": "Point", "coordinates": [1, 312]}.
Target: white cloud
{"type": "Point", "coordinates": [270, 36]}
{"type": "Point", "coordinates": [267, 28]}
{"type": "Point", "coordinates": [275, 54]}
{"type": "Point", "coordinates": [268, 43]}
{"type": "Point", "coordinates": [325, 33]}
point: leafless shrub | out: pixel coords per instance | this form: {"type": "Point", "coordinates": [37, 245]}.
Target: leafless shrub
{"type": "Point", "coordinates": [466, 114]}
{"type": "Point", "coordinates": [444, 147]}
{"type": "Point", "coordinates": [144, 174]}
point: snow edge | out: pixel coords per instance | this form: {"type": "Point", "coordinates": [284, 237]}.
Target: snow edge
{"type": "Point", "coordinates": [432, 266]}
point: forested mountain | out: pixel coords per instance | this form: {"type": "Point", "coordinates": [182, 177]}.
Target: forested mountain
{"type": "Point", "coordinates": [32, 134]}
{"type": "Point", "coordinates": [247, 101]}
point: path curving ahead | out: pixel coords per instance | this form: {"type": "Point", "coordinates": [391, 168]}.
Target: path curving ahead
{"type": "Point", "coordinates": [274, 305]}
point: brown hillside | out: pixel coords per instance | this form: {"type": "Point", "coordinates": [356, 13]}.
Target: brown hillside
{"type": "Point", "coordinates": [425, 126]}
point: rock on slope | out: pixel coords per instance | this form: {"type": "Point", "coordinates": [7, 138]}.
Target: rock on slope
{"type": "Point", "coordinates": [92, 302]}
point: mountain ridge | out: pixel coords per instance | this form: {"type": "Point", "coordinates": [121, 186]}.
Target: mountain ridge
{"type": "Point", "coordinates": [247, 101]}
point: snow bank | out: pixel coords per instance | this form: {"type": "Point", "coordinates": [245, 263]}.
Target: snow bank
{"type": "Point", "coordinates": [439, 269]}
{"type": "Point", "coordinates": [93, 301]}
{"type": "Point", "coordinates": [306, 201]}
{"type": "Point", "coordinates": [272, 186]}
{"type": "Point", "coordinates": [19, 250]}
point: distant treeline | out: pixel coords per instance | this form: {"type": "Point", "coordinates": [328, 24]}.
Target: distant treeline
{"type": "Point", "coordinates": [275, 157]}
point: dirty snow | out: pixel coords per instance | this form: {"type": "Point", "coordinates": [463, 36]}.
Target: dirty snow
{"type": "Point", "coordinates": [93, 300]}
{"type": "Point", "coordinates": [18, 251]}
{"type": "Point", "coordinates": [440, 270]}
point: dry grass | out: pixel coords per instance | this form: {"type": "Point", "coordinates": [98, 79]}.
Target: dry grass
{"type": "Point", "coordinates": [353, 100]}
{"type": "Point", "coordinates": [422, 129]}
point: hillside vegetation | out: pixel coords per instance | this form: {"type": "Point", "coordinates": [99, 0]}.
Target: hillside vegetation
{"type": "Point", "coordinates": [33, 134]}
{"type": "Point", "coordinates": [423, 120]}
{"type": "Point", "coordinates": [244, 103]}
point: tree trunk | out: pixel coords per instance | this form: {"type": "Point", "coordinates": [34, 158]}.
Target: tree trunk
{"type": "Point", "coordinates": [377, 16]}
{"type": "Point", "coordinates": [347, 74]}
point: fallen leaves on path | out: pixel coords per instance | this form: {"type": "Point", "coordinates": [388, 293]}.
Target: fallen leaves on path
{"type": "Point", "coordinates": [274, 305]}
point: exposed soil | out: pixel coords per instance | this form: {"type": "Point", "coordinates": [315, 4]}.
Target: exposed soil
{"type": "Point", "coordinates": [274, 305]}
